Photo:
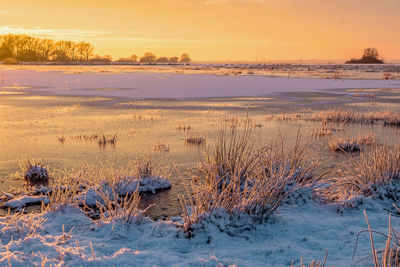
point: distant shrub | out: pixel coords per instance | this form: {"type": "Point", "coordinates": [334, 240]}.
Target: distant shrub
{"type": "Point", "coordinates": [370, 56]}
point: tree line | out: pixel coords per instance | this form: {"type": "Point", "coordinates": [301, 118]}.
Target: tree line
{"type": "Point", "coordinates": [24, 48]}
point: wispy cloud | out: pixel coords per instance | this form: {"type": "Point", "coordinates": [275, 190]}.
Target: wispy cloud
{"type": "Point", "coordinates": [64, 33]}
{"type": "Point", "coordinates": [219, 2]}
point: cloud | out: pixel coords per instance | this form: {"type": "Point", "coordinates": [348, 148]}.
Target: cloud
{"type": "Point", "coordinates": [219, 2]}
{"type": "Point", "coordinates": [60, 33]}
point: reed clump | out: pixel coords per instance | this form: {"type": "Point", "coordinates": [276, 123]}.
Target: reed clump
{"type": "Point", "coordinates": [339, 115]}
{"type": "Point", "coordinates": [325, 130]}
{"type": "Point", "coordinates": [238, 178]}
{"type": "Point", "coordinates": [351, 145]}
{"type": "Point", "coordinates": [194, 139]}
{"type": "Point", "coordinates": [375, 172]}
{"type": "Point", "coordinates": [105, 139]}
{"type": "Point", "coordinates": [389, 255]}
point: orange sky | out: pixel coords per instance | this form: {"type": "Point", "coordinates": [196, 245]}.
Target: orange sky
{"type": "Point", "coordinates": [214, 29]}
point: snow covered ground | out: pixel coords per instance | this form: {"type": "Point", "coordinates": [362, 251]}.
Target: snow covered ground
{"type": "Point", "coordinates": [306, 230]}
{"type": "Point", "coordinates": [172, 86]}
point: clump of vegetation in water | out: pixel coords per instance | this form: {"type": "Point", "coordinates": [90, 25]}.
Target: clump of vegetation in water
{"type": "Point", "coordinates": [34, 171]}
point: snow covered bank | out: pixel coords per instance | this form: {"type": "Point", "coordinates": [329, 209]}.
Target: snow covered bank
{"type": "Point", "coordinates": [172, 86]}
{"type": "Point", "coordinates": [23, 201]}
{"type": "Point", "coordinates": [69, 237]}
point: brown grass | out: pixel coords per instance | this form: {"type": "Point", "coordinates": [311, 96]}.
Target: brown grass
{"type": "Point", "coordinates": [390, 254]}
{"type": "Point", "coordinates": [161, 147]}
{"type": "Point", "coordinates": [324, 130]}
{"type": "Point", "coordinates": [338, 115]}
{"type": "Point", "coordinates": [364, 175]}
{"type": "Point", "coordinates": [237, 178]}
{"type": "Point", "coordinates": [350, 145]}
{"type": "Point", "coordinates": [105, 139]}
{"type": "Point", "coordinates": [313, 263]}
{"type": "Point", "coordinates": [194, 139]}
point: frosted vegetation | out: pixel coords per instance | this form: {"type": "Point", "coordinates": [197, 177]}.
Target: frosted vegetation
{"type": "Point", "coordinates": [265, 197]}
{"type": "Point", "coordinates": [249, 202]}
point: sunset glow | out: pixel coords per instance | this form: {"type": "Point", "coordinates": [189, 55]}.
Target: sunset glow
{"type": "Point", "coordinates": [214, 29]}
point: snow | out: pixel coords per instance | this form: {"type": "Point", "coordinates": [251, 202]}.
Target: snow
{"type": "Point", "coordinates": [306, 230]}
{"type": "Point", "coordinates": [172, 86]}
{"type": "Point", "coordinates": [126, 186]}
{"type": "Point", "coordinates": [23, 201]}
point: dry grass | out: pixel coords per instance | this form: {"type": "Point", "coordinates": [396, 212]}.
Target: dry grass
{"type": "Point", "coordinates": [184, 128]}
{"type": "Point", "coordinates": [236, 178]}
{"type": "Point", "coordinates": [350, 145]}
{"type": "Point", "coordinates": [105, 139]}
{"type": "Point", "coordinates": [313, 263]}
{"type": "Point", "coordinates": [102, 139]}
{"type": "Point", "coordinates": [285, 117]}
{"type": "Point", "coordinates": [194, 139]}
{"type": "Point", "coordinates": [338, 115]}
{"type": "Point", "coordinates": [162, 147]}
{"type": "Point", "coordinates": [85, 137]}
{"type": "Point", "coordinates": [390, 254]}
{"type": "Point", "coordinates": [61, 139]}
{"type": "Point", "coordinates": [124, 210]}
{"type": "Point", "coordinates": [324, 130]}
{"type": "Point", "coordinates": [365, 175]}
{"type": "Point", "coordinates": [19, 226]}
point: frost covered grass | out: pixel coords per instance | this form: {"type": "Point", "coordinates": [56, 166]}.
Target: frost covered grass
{"type": "Point", "coordinates": [239, 180]}
{"type": "Point", "coordinates": [350, 145]}
{"type": "Point", "coordinates": [375, 172]}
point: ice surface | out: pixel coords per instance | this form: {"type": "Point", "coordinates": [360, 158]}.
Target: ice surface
{"type": "Point", "coordinates": [173, 86]}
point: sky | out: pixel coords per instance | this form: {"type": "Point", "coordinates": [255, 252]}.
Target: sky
{"type": "Point", "coordinates": [214, 30]}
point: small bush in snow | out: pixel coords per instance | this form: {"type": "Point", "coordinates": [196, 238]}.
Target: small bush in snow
{"type": "Point", "coordinates": [34, 171]}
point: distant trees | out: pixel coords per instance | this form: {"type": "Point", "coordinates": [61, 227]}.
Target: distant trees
{"type": "Point", "coordinates": [148, 58]}
{"type": "Point", "coordinates": [134, 58]}
{"type": "Point", "coordinates": [184, 58]}
{"type": "Point", "coordinates": [370, 56]}
{"type": "Point", "coordinates": [101, 59]}
{"type": "Point", "coordinates": [173, 59]}
{"type": "Point", "coordinates": [151, 58]}
{"type": "Point", "coordinates": [21, 47]}
{"type": "Point", "coordinates": [16, 48]}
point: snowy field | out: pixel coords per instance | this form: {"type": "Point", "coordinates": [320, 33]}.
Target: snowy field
{"type": "Point", "coordinates": [304, 226]}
